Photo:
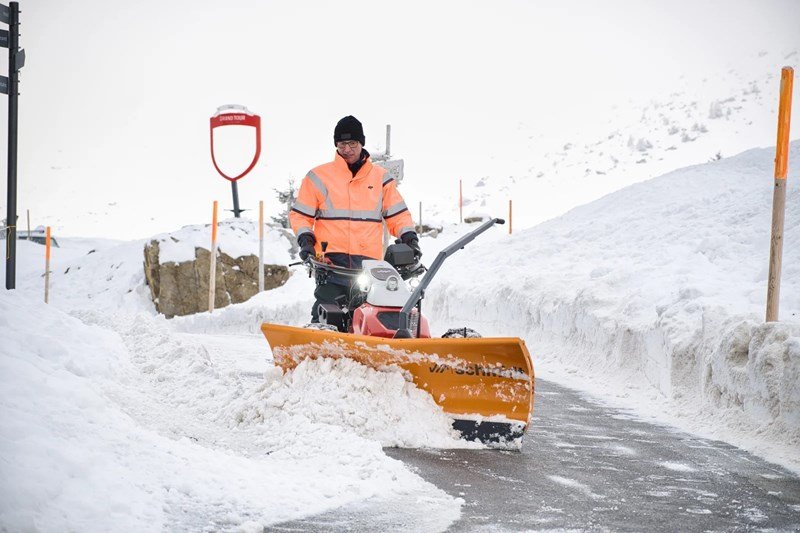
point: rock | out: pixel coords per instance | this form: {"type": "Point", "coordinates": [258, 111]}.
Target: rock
{"type": "Point", "coordinates": [180, 289]}
{"type": "Point", "coordinates": [428, 231]}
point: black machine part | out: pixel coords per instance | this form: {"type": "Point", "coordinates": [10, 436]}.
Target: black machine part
{"type": "Point", "coordinates": [397, 255]}
{"type": "Point", "coordinates": [333, 315]}
{"type": "Point", "coordinates": [461, 333]}
{"type": "Point", "coordinates": [401, 257]}
{"type": "Point", "coordinates": [403, 332]}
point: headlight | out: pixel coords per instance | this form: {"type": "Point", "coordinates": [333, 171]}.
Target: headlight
{"type": "Point", "coordinates": [413, 283]}
{"type": "Point", "coordinates": [363, 282]}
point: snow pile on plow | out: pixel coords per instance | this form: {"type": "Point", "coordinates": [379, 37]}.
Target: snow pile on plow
{"type": "Point", "coordinates": [341, 396]}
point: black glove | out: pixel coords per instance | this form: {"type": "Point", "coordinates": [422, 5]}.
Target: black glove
{"type": "Point", "coordinates": [306, 242]}
{"type": "Point", "coordinates": [410, 238]}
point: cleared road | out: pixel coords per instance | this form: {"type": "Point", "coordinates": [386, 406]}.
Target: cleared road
{"type": "Point", "coordinates": [588, 467]}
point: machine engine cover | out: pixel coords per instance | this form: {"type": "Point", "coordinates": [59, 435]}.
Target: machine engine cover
{"type": "Point", "coordinates": [382, 322]}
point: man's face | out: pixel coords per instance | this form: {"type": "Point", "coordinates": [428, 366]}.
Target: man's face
{"type": "Point", "coordinates": [349, 150]}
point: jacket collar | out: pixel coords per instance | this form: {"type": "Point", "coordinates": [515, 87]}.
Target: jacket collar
{"type": "Point", "coordinates": [342, 166]}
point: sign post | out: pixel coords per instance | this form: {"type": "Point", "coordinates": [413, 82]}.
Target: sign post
{"type": "Point", "coordinates": [10, 86]}
{"type": "Point", "coordinates": [236, 115]}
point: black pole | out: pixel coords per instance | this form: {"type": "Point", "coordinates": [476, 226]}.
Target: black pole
{"type": "Point", "coordinates": [13, 90]}
{"type": "Point", "coordinates": [235, 189]}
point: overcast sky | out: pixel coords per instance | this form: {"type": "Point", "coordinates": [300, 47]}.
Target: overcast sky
{"type": "Point", "coordinates": [116, 96]}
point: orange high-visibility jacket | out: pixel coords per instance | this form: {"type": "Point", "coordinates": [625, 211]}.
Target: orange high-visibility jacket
{"type": "Point", "coordinates": [346, 211]}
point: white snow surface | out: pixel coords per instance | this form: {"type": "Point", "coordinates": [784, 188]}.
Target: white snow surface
{"type": "Point", "coordinates": [235, 237]}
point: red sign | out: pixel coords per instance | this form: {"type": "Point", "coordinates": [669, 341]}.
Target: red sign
{"type": "Point", "coordinates": [237, 115]}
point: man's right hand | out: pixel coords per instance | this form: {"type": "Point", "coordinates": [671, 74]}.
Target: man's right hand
{"type": "Point", "coordinates": [306, 242]}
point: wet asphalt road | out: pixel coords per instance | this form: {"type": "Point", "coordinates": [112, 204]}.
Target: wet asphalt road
{"type": "Point", "coordinates": [587, 467]}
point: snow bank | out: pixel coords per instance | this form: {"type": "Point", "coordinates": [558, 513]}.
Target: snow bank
{"type": "Point", "coordinates": [236, 237]}
{"type": "Point", "coordinates": [656, 291]}
{"type": "Point", "coordinates": [111, 424]}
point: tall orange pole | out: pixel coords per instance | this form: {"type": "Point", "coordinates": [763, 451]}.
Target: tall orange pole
{"type": "Point", "coordinates": [779, 195]}
{"type": "Point", "coordinates": [509, 217]}
{"type": "Point", "coordinates": [260, 245]}
{"type": "Point", "coordinates": [47, 266]}
{"type": "Point", "coordinates": [460, 203]}
{"type": "Point", "coordinates": [212, 277]}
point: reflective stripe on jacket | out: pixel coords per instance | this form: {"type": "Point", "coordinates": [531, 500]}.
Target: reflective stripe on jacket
{"type": "Point", "coordinates": [346, 211]}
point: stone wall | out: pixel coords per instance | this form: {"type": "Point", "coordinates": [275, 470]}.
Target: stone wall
{"type": "Point", "coordinates": [180, 289]}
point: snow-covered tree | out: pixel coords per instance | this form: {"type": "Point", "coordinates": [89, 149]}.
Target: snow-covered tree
{"type": "Point", "coordinates": [286, 197]}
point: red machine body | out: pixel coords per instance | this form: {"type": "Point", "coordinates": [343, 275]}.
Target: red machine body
{"type": "Point", "coordinates": [383, 321]}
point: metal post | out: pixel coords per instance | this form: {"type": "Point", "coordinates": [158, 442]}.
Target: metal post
{"type": "Point", "coordinates": [29, 225]}
{"type": "Point", "coordinates": [13, 90]}
{"type": "Point", "coordinates": [388, 140]}
{"type": "Point", "coordinates": [235, 189]}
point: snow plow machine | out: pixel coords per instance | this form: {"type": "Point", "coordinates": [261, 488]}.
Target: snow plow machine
{"type": "Point", "coordinates": [485, 384]}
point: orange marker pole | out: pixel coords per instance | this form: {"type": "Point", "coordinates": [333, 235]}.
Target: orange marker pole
{"type": "Point", "coordinates": [212, 277]}
{"type": "Point", "coordinates": [47, 266]}
{"type": "Point", "coordinates": [779, 195]}
{"type": "Point", "coordinates": [460, 203]}
{"type": "Point", "coordinates": [509, 217]}
{"type": "Point", "coordinates": [260, 245]}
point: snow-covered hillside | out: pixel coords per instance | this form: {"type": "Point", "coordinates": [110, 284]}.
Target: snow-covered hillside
{"type": "Point", "coordinates": [689, 121]}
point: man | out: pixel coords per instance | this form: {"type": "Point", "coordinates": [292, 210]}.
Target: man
{"type": "Point", "coordinates": [344, 203]}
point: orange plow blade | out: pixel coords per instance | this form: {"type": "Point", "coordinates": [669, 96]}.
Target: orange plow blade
{"type": "Point", "coordinates": [485, 384]}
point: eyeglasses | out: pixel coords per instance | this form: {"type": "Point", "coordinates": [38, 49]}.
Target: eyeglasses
{"type": "Point", "coordinates": [341, 145]}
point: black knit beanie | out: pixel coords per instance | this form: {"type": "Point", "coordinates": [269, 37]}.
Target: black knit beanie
{"type": "Point", "coordinates": [348, 129]}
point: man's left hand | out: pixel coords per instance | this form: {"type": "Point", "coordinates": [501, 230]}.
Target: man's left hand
{"type": "Point", "coordinates": [410, 238]}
